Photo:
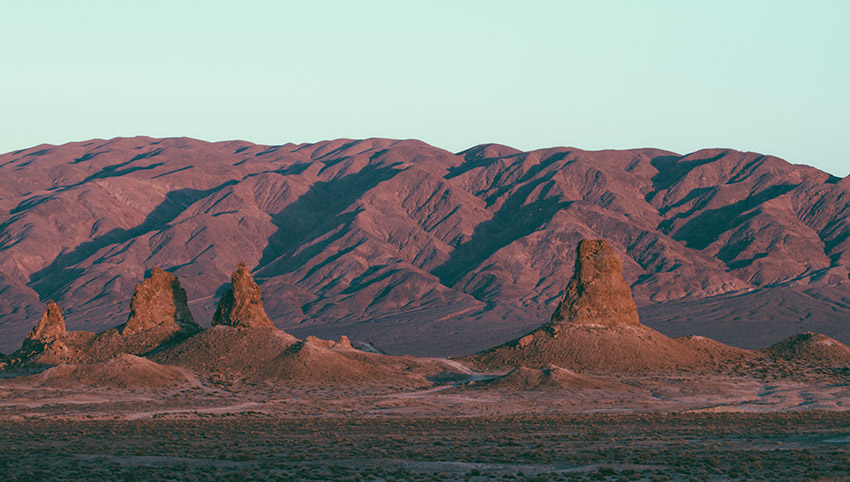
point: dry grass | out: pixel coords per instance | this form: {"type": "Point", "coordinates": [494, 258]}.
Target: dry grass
{"type": "Point", "coordinates": [795, 446]}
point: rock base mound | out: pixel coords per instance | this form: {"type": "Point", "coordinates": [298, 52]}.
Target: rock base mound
{"type": "Point", "coordinates": [316, 361]}
{"type": "Point", "coordinates": [811, 348]}
{"type": "Point", "coordinates": [269, 355]}
{"type": "Point", "coordinates": [225, 352]}
{"type": "Point", "coordinates": [123, 371]}
{"type": "Point", "coordinates": [596, 348]}
{"type": "Point", "coordinates": [551, 377]}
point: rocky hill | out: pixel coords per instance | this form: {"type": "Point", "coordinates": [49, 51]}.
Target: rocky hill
{"type": "Point", "coordinates": [402, 244]}
{"type": "Point", "coordinates": [596, 327]}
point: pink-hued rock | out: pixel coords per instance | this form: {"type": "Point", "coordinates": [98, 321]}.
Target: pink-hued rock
{"type": "Point", "coordinates": [242, 305]}
{"type": "Point", "coordinates": [596, 327]}
{"type": "Point", "coordinates": [159, 302]}
{"type": "Point", "coordinates": [50, 326]}
{"type": "Point", "coordinates": [597, 293]}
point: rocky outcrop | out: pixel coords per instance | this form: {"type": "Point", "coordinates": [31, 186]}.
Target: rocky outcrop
{"type": "Point", "coordinates": [596, 327]}
{"type": "Point", "coordinates": [159, 315]}
{"type": "Point", "coordinates": [597, 293]}
{"type": "Point", "coordinates": [159, 302]}
{"type": "Point", "coordinates": [49, 343]}
{"type": "Point", "coordinates": [242, 306]}
{"type": "Point", "coordinates": [50, 326]}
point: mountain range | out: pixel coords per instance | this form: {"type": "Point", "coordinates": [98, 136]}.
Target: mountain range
{"type": "Point", "coordinates": [419, 250]}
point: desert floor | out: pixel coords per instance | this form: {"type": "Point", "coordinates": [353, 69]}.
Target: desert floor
{"type": "Point", "coordinates": [257, 446]}
{"type": "Point", "coordinates": [674, 427]}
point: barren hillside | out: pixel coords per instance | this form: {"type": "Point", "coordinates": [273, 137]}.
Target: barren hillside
{"type": "Point", "coordinates": [417, 249]}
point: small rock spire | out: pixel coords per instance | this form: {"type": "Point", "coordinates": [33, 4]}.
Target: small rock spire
{"type": "Point", "coordinates": [242, 305]}
{"type": "Point", "coordinates": [50, 325]}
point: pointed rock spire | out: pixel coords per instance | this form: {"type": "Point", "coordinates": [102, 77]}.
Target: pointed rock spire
{"type": "Point", "coordinates": [50, 326]}
{"type": "Point", "coordinates": [242, 305]}
{"type": "Point", "coordinates": [159, 301]}
{"type": "Point", "coordinates": [597, 293]}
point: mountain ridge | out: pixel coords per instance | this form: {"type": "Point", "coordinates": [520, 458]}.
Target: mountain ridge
{"type": "Point", "coordinates": [397, 242]}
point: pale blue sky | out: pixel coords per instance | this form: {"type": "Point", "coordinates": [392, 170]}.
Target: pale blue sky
{"type": "Point", "coordinates": [767, 76]}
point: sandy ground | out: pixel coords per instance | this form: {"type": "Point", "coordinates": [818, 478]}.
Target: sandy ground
{"type": "Point", "coordinates": [469, 394]}
{"type": "Point", "coordinates": [471, 427]}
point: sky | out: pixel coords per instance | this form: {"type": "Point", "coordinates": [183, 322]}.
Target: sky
{"type": "Point", "coordinates": [764, 76]}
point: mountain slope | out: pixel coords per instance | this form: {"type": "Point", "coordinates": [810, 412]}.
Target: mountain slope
{"type": "Point", "coordinates": [404, 244]}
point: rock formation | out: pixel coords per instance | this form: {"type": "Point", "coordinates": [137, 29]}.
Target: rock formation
{"type": "Point", "coordinates": [596, 327]}
{"type": "Point", "coordinates": [159, 302]}
{"type": "Point", "coordinates": [242, 306]}
{"type": "Point", "coordinates": [597, 293]}
{"type": "Point", "coordinates": [50, 326]}
{"type": "Point", "coordinates": [122, 371]}
{"type": "Point", "coordinates": [159, 315]}
{"type": "Point", "coordinates": [49, 343]}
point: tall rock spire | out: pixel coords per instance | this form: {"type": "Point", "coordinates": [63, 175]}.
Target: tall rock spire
{"type": "Point", "coordinates": [242, 306]}
{"type": "Point", "coordinates": [597, 293]}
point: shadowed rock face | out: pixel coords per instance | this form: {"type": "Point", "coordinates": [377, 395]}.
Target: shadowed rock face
{"type": "Point", "coordinates": [159, 301]}
{"type": "Point", "coordinates": [50, 326]}
{"type": "Point", "coordinates": [597, 293]}
{"type": "Point", "coordinates": [242, 306]}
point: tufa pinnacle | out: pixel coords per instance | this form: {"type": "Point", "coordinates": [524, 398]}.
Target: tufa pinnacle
{"type": "Point", "coordinates": [50, 326]}
{"type": "Point", "coordinates": [597, 293]}
{"type": "Point", "coordinates": [242, 305]}
{"type": "Point", "coordinates": [159, 301]}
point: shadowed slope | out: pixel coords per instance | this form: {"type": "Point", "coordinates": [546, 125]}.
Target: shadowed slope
{"type": "Point", "coordinates": [322, 362]}
{"type": "Point", "coordinates": [227, 353]}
